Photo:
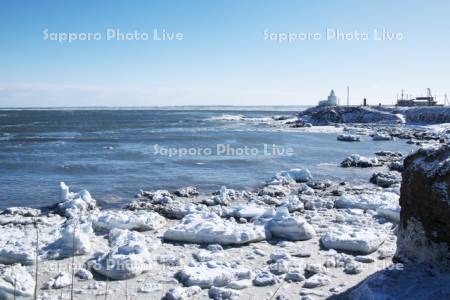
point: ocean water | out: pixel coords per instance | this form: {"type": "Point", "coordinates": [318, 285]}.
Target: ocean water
{"type": "Point", "coordinates": [111, 152]}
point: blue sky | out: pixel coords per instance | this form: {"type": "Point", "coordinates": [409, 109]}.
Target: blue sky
{"type": "Point", "coordinates": [223, 58]}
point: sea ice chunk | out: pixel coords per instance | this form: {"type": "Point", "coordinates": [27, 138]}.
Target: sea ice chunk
{"type": "Point", "coordinates": [15, 282]}
{"type": "Point", "coordinates": [127, 257]}
{"type": "Point", "coordinates": [206, 277]}
{"type": "Point", "coordinates": [132, 220]}
{"type": "Point", "coordinates": [75, 204]}
{"type": "Point", "coordinates": [209, 228]}
{"type": "Point", "coordinates": [287, 227]}
{"type": "Point", "coordinates": [353, 239]}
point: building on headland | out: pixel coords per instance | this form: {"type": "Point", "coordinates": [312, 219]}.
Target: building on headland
{"type": "Point", "coordinates": [428, 100]}
{"type": "Point", "coordinates": [331, 100]}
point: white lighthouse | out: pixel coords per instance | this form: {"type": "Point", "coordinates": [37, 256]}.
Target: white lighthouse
{"type": "Point", "coordinates": [331, 101]}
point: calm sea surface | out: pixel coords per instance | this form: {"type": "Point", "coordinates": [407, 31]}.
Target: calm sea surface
{"type": "Point", "coordinates": [112, 152]}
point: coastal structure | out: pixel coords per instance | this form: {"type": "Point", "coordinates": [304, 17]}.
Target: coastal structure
{"type": "Point", "coordinates": [330, 101]}
{"type": "Point", "coordinates": [428, 100]}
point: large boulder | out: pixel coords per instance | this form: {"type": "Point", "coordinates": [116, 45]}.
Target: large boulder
{"type": "Point", "coordinates": [424, 233]}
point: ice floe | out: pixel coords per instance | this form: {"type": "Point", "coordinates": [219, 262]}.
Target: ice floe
{"type": "Point", "coordinates": [209, 228]}
{"type": "Point", "coordinates": [353, 239]}
{"type": "Point", "coordinates": [16, 283]}
{"type": "Point", "coordinates": [127, 257]}
{"type": "Point", "coordinates": [287, 227]}
{"type": "Point", "coordinates": [139, 220]}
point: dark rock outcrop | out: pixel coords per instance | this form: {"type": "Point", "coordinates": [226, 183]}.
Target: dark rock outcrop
{"type": "Point", "coordinates": [424, 233]}
{"type": "Point", "coordinates": [325, 115]}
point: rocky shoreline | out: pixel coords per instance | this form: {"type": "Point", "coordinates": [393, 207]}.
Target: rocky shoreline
{"type": "Point", "coordinates": [293, 238]}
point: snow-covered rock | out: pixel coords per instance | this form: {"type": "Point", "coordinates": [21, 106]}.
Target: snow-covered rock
{"type": "Point", "coordinates": [182, 293]}
{"type": "Point", "coordinates": [385, 180]}
{"type": "Point", "coordinates": [291, 228]}
{"type": "Point", "coordinates": [298, 175]}
{"type": "Point", "coordinates": [222, 197]}
{"type": "Point", "coordinates": [292, 203]}
{"type": "Point", "coordinates": [379, 136]}
{"type": "Point", "coordinates": [211, 229]}
{"type": "Point", "coordinates": [217, 293]}
{"type": "Point", "coordinates": [206, 277]}
{"type": "Point", "coordinates": [358, 161]}
{"type": "Point", "coordinates": [348, 138]}
{"type": "Point", "coordinates": [186, 192]}
{"type": "Point", "coordinates": [317, 280]}
{"type": "Point", "coordinates": [75, 204]}
{"type": "Point", "coordinates": [61, 280]}
{"type": "Point", "coordinates": [84, 274]}
{"type": "Point", "coordinates": [264, 279]}
{"type": "Point", "coordinates": [16, 283]}
{"type": "Point", "coordinates": [127, 257]}
{"type": "Point", "coordinates": [353, 239]}
{"type": "Point", "coordinates": [139, 220]}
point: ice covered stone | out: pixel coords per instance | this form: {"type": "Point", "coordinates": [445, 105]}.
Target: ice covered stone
{"type": "Point", "coordinates": [217, 293]}
{"type": "Point", "coordinates": [132, 220]}
{"type": "Point", "coordinates": [292, 203]}
{"type": "Point", "coordinates": [61, 280]}
{"type": "Point", "coordinates": [16, 283]}
{"type": "Point", "coordinates": [209, 228]}
{"type": "Point", "coordinates": [187, 192]}
{"type": "Point", "coordinates": [353, 239]}
{"type": "Point", "coordinates": [359, 161]}
{"type": "Point", "coordinates": [264, 279]}
{"type": "Point", "coordinates": [385, 180]}
{"type": "Point", "coordinates": [127, 257]}
{"type": "Point", "coordinates": [222, 197]}
{"type": "Point", "coordinates": [379, 136]}
{"type": "Point", "coordinates": [348, 138]}
{"type": "Point", "coordinates": [367, 201]}
{"type": "Point", "coordinates": [206, 277]}
{"type": "Point", "coordinates": [291, 228]}
{"type": "Point", "coordinates": [84, 274]}
{"type": "Point", "coordinates": [316, 280]}
{"type": "Point", "coordinates": [182, 293]}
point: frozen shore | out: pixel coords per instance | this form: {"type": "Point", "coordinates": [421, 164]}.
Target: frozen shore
{"type": "Point", "coordinates": [292, 238]}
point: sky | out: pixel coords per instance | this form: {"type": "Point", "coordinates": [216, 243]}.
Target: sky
{"type": "Point", "coordinates": [231, 52]}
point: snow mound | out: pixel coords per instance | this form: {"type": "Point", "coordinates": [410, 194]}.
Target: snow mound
{"type": "Point", "coordinates": [209, 228]}
{"type": "Point", "coordinates": [132, 220]}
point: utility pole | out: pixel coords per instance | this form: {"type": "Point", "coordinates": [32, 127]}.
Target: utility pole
{"type": "Point", "coordinates": [348, 96]}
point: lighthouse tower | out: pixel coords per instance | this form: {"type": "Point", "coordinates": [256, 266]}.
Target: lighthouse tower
{"type": "Point", "coordinates": [331, 100]}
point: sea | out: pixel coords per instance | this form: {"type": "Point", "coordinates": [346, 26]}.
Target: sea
{"type": "Point", "coordinates": [116, 152]}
